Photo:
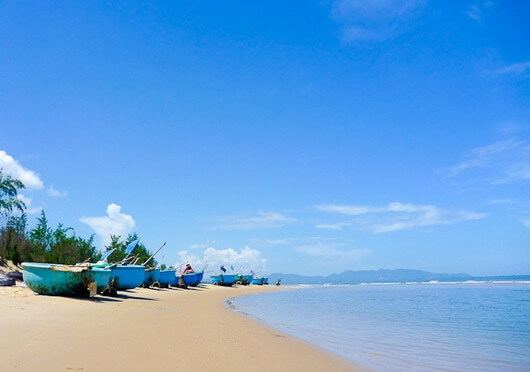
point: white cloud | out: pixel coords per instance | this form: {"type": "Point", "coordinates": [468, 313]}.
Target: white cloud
{"type": "Point", "coordinates": [246, 259]}
{"type": "Point", "coordinates": [323, 250]}
{"type": "Point", "coordinates": [261, 221]}
{"type": "Point", "coordinates": [399, 216]}
{"type": "Point", "coordinates": [27, 202]}
{"type": "Point", "coordinates": [526, 222]}
{"type": "Point", "coordinates": [10, 166]}
{"type": "Point", "coordinates": [114, 223]}
{"type": "Point", "coordinates": [474, 12]}
{"type": "Point", "coordinates": [374, 20]}
{"type": "Point", "coordinates": [335, 226]}
{"type": "Point", "coordinates": [56, 193]}
{"type": "Point", "coordinates": [501, 162]}
{"type": "Point", "coordinates": [521, 69]}
{"type": "Point", "coordinates": [477, 10]}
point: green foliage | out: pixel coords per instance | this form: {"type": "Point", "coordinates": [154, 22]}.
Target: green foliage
{"type": "Point", "coordinates": [139, 255]}
{"type": "Point", "coordinates": [9, 200]}
{"type": "Point", "coordinates": [45, 244]}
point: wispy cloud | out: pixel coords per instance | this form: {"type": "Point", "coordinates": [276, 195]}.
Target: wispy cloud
{"type": "Point", "coordinates": [526, 222]}
{"type": "Point", "coordinates": [501, 162]}
{"type": "Point", "coordinates": [521, 69]}
{"type": "Point", "coordinates": [399, 216]}
{"type": "Point", "coordinates": [28, 203]}
{"type": "Point", "coordinates": [477, 10]}
{"type": "Point", "coordinates": [330, 251]}
{"type": "Point", "coordinates": [334, 226]}
{"type": "Point", "coordinates": [29, 178]}
{"type": "Point", "coordinates": [374, 20]}
{"type": "Point", "coordinates": [114, 223]}
{"type": "Point", "coordinates": [245, 259]}
{"type": "Point", "coordinates": [52, 191]}
{"type": "Point", "coordinates": [264, 220]}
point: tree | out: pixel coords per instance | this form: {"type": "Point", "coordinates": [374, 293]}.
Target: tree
{"type": "Point", "coordinates": [42, 235]}
{"type": "Point", "coordinates": [60, 245]}
{"type": "Point", "coordinates": [13, 242]}
{"type": "Point", "coordinates": [9, 200]}
{"type": "Point", "coordinates": [140, 253]}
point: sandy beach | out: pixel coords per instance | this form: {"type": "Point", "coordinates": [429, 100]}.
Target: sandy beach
{"type": "Point", "coordinates": [148, 330]}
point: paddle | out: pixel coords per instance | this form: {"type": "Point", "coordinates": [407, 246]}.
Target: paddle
{"type": "Point", "coordinates": [153, 255]}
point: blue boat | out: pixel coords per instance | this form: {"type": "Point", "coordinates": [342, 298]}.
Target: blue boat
{"type": "Point", "coordinates": [65, 280]}
{"type": "Point", "coordinates": [168, 278]}
{"type": "Point", "coordinates": [188, 279]}
{"type": "Point", "coordinates": [223, 279]}
{"type": "Point", "coordinates": [126, 276]}
{"type": "Point", "coordinates": [200, 275]}
{"type": "Point", "coordinates": [244, 279]}
{"type": "Point", "coordinates": [260, 280]}
{"type": "Point", "coordinates": [151, 277]}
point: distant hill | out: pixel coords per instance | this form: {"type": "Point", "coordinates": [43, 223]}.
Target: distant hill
{"type": "Point", "coordinates": [383, 276]}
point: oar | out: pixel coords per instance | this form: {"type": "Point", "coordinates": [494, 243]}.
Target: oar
{"type": "Point", "coordinates": [153, 255]}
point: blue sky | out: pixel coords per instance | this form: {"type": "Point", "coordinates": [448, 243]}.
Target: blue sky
{"type": "Point", "coordinates": [298, 137]}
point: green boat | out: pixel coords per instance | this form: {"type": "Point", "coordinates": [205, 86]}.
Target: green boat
{"type": "Point", "coordinates": [65, 280]}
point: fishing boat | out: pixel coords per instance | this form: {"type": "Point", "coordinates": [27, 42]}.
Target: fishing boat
{"type": "Point", "coordinates": [260, 280]}
{"type": "Point", "coordinates": [187, 279]}
{"type": "Point", "coordinates": [152, 274]}
{"type": "Point", "coordinates": [223, 279]}
{"type": "Point", "coordinates": [168, 278]}
{"type": "Point", "coordinates": [124, 277]}
{"type": "Point", "coordinates": [244, 279]}
{"type": "Point", "coordinates": [198, 280]}
{"type": "Point", "coordinates": [65, 280]}
{"type": "Point", "coordinates": [151, 277]}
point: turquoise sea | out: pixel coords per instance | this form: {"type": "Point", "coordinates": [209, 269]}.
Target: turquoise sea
{"type": "Point", "coordinates": [469, 326]}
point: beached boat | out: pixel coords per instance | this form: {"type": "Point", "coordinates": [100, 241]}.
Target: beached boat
{"type": "Point", "coordinates": [168, 278]}
{"type": "Point", "coordinates": [126, 276]}
{"type": "Point", "coordinates": [223, 279]}
{"type": "Point", "coordinates": [188, 279]}
{"type": "Point", "coordinates": [198, 280]}
{"type": "Point", "coordinates": [151, 277]}
{"type": "Point", "coordinates": [244, 279]}
{"type": "Point", "coordinates": [260, 280]}
{"type": "Point", "coordinates": [65, 280]}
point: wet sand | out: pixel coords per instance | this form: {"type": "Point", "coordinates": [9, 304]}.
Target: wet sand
{"type": "Point", "coordinates": [148, 330]}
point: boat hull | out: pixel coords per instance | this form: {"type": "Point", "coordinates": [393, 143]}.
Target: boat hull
{"type": "Point", "coordinates": [223, 279]}
{"type": "Point", "coordinates": [198, 279]}
{"type": "Point", "coordinates": [260, 280]}
{"type": "Point", "coordinates": [244, 279]}
{"type": "Point", "coordinates": [185, 280]}
{"type": "Point", "coordinates": [126, 276]}
{"type": "Point", "coordinates": [151, 277]}
{"type": "Point", "coordinates": [64, 280]}
{"type": "Point", "coordinates": [168, 278]}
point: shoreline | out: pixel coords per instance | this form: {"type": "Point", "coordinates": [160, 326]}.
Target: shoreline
{"type": "Point", "coordinates": [149, 329]}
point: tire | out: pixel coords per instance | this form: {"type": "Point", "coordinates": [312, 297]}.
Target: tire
{"type": "Point", "coordinates": [7, 282]}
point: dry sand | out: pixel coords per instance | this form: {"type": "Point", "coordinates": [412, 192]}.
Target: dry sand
{"type": "Point", "coordinates": [148, 330]}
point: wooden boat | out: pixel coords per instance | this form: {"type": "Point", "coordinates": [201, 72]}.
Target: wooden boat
{"type": "Point", "coordinates": [168, 278]}
{"type": "Point", "coordinates": [223, 279]}
{"type": "Point", "coordinates": [65, 280]}
{"type": "Point", "coordinates": [151, 277]}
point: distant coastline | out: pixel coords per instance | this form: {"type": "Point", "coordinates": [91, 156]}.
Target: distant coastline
{"type": "Point", "coordinates": [388, 276]}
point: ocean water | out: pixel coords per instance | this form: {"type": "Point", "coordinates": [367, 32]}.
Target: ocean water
{"type": "Point", "coordinates": [407, 327]}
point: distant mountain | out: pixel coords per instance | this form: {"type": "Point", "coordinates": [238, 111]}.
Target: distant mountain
{"type": "Point", "coordinates": [370, 276]}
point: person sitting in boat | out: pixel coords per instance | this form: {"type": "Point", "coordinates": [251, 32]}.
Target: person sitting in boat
{"type": "Point", "coordinates": [188, 269]}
